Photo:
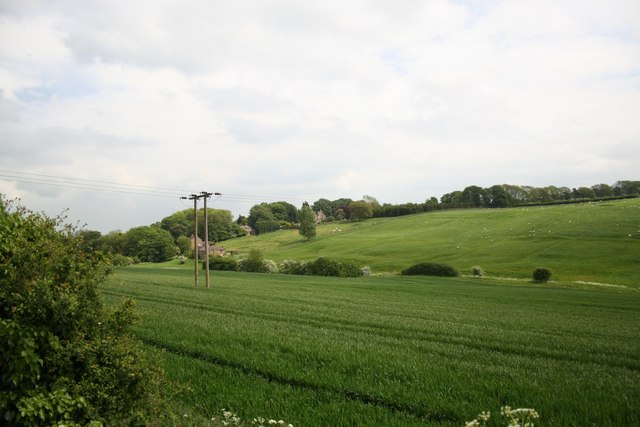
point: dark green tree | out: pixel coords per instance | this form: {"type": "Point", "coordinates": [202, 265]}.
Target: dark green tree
{"type": "Point", "coordinates": [259, 212]}
{"type": "Point", "coordinates": [497, 197]}
{"type": "Point", "coordinates": [473, 196]}
{"type": "Point", "coordinates": [151, 244]}
{"type": "Point", "coordinates": [307, 222]}
{"type": "Point", "coordinates": [602, 190]}
{"type": "Point", "coordinates": [326, 206]}
{"type": "Point", "coordinates": [360, 210]}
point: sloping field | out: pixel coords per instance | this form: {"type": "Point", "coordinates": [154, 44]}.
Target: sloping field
{"type": "Point", "coordinates": [593, 242]}
{"type": "Point", "coordinates": [389, 351]}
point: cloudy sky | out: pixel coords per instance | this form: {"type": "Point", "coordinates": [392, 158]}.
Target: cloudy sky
{"type": "Point", "coordinates": [296, 100]}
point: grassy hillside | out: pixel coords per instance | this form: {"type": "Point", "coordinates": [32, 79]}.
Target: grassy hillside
{"type": "Point", "coordinates": [389, 350]}
{"type": "Point", "coordinates": [598, 242]}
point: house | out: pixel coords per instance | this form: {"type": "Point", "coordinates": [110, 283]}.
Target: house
{"type": "Point", "coordinates": [247, 228]}
{"type": "Point", "coordinates": [213, 250]}
{"type": "Point", "coordinates": [320, 217]}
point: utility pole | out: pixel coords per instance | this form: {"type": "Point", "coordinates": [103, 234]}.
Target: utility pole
{"type": "Point", "coordinates": [203, 195]}
{"type": "Point", "coordinates": [206, 195]}
{"type": "Point", "coordinates": [195, 198]}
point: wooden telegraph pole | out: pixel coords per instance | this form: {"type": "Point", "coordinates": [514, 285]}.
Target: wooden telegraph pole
{"type": "Point", "coordinates": [206, 195]}
{"type": "Point", "coordinates": [203, 195]}
{"type": "Point", "coordinates": [195, 198]}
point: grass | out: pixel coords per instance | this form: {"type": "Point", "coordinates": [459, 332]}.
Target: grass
{"type": "Point", "coordinates": [389, 350]}
{"type": "Point", "coordinates": [592, 242]}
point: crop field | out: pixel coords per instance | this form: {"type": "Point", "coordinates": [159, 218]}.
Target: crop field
{"type": "Point", "coordinates": [592, 242]}
{"type": "Point", "coordinates": [388, 350]}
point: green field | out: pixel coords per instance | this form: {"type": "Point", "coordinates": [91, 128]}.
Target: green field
{"type": "Point", "coordinates": [592, 242]}
{"type": "Point", "coordinates": [390, 350]}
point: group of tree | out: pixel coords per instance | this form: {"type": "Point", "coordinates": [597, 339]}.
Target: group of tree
{"type": "Point", "coordinates": [347, 209]}
{"type": "Point", "coordinates": [164, 240]}
{"type": "Point", "coordinates": [267, 217]}
{"type": "Point", "coordinates": [506, 195]}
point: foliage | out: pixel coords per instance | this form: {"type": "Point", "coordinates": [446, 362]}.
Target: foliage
{"type": "Point", "coordinates": [185, 246]}
{"type": "Point", "coordinates": [292, 267]}
{"type": "Point", "coordinates": [477, 271]}
{"type": "Point", "coordinates": [307, 222]}
{"type": "Point", "coordinates": [267, 225]}
{"type": "Point", "coordinates": [330, 267]}
{"type": "Point", "coordinates": [228, 418]}
{"type": "Point", "coordinates": [541, 274]}
{"type": "Point", "coordinates": [220, 225]}
{"type": "Point", "coordinates": [254, 263]}
{"type": "Point", "coordinates": [520, 417]}
{"type": "Point", "coordinates": [119, 260]}
{"type": "Point", "coordinates": [65, 358]}
{"type": "Point", "coordinates": [222, 263]}
{"type": "Point", "coordinates": [431, 269]}
{"type": "Point", "coordinates": [360, 210]}
{"type": "Point", "coordinates": [149, 244]}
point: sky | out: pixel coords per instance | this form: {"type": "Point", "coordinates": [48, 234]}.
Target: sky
{"type": "Point", "coordinates": [114, 109]}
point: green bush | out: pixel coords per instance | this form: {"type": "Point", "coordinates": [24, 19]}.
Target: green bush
{"type": "Point", "coordinates": [323, 267]}
{"type": "Point", "coordinates": [119, 260]}
{"type": "Point", "coordinates": [477, 271]}
{"type": "Point", "coordinates": [541, 275]}
{"type": "Point", "coordinates": [292, 267]}
{"type": "Point", "coordinates": [329, 267]}
{"type": "Point", "coordinates": [431, 269]}
{"type": "Point", "coordinates": [221, 264]}
{"type": "Point", "coordinates": [254, 263]}
{"type": "Point", "coordinates": [64, 358]}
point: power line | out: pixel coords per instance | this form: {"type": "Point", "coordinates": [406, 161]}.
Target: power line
{"type": "Point", "coordinates": [133, 189]}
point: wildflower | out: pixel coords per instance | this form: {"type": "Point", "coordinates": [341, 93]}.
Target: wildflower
{"type": "Point", "coordinates": [473, 423]}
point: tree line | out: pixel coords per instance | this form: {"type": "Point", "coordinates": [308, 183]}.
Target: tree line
{"type": "Point", "coordinates": [172, 235]}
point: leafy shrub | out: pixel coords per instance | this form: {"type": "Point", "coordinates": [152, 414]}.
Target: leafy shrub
{"type": "Point", "coordinates": [541, 275]}
{"type": "Point", "coordinates": [119, 260]}
{"type": "Point", "coordinates": [64, 358]}
{"type": "Point", "coordinates": [477, 271]}
{"type": "Point", "coordinates": [292, 267]}
{"type": "Point", "coordinates": [254, 263]}
{"type": "Point", "coordinates": [222, 263]}
{"type": "Point", "coordinates": [329, 267]}
{"type": "Point", "coordinates": [431, 269]}
{"type": "Point", "coordinates": [350, 269]}
{"type": "Point", "coordinates": [270, 266]}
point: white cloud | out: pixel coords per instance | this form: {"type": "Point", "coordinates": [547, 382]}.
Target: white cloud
{"type": "Point", "coordinates": [305, 100]}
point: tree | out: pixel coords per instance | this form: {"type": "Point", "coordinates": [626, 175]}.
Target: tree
{"type": "Point", "coordinates": [602, 190]}
{"type": "Point", "coordinates": [259, 212]}
{"type": "Point", "coordinates": [65, 358]}
{"type": "Point", "coordinates": [497, 197]}
{"type": "Point", "coordinates": [307, 222]}
{"type": "Point", "coordinates": [375, 204]}
{"type": "Point", "coordinates": [360, 210]}
{"type": "Point", "coordinates": [324, 205]}
{"type": "Point", "coordinates": [583, 193]}
{"type": "Point", "coordinates": [151, 244]}
{"type": "Point", "coordinates": [473, 196]}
